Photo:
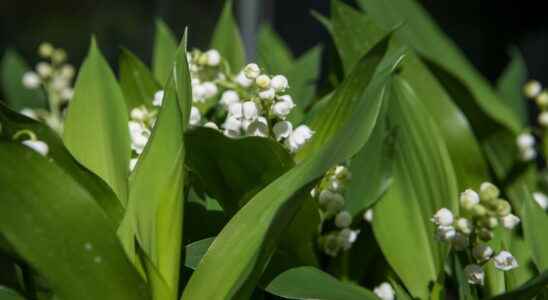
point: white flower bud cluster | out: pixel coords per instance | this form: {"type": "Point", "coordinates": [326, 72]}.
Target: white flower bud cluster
{"type": "Point", "coordinates": [251, 103]}
{"type": "Point", "coordinates": [385, 291]}
{"type": "Point", "coordinates": [535, 91]}
{"type": "Point", "coordinates": [330, 196]}
{"type": "Point", "coordinates": [482, 212]}
{"type": "Point", "coordinates": [56, 76]}
{"type": "Point", "coordinates": [526, 146]}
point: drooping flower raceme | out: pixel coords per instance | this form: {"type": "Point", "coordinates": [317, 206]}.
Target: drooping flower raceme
{"type": "Point", "coordinates": [55, 76]}
{"type": "Point", "coordinates": [481, 212]}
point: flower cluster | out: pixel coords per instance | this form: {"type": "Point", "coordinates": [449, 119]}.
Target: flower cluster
{"type": "Point", "coordinates": [330, 196]}
{"type": "Point", "coordinates": [481, 213]}
{"type": "Point", "coordinates": [140, 128]}
{"type": "Point", "coordinates": [534, 91]}
{"type": "Point", "coordinates": [55, 76]}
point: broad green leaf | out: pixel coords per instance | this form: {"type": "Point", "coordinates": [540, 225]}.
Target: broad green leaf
{"type": "Point", "coordinates": [227, 40]}
{"type": "Point", "coordinates": [371, 170]}
{"type": "Point", "coordinates": [273, 54]}
{"type": "Point", "coordinates": [424, 181]}
{"type": "Point", "coordinates": [58, 228]}
{"type": "Point", "coordinates": [312, 283]}
{"type": "Point", "coordinates": [332, 116]}
{"type": "Point", "coordinates": [399, 291]}
{"type": "Point", "coordinates": [95, 130]}
{"type": "Point", "coordinates": [510, 86]}
{"type": "Point", "coordinates": [136, 81]}
{"type": "Point", "coordinates": [353, 31]}
{"type": "Point", "coordinates": [535, 222]}
{"type": "Point", "coordinates": [195, 251]}
{"type": "Point", "coordinates": [13, 67]}
{"type": "Point", "coordinates": [528, 290]}
{"type": "Point", "coordinates": [9, 294]}
{"type": "Point", "coordinates": [155, 207]}
{"type": "Point", "coordinates": [240, 170]}
{"type": "Point", "coordinates": [163, 54]}
{"type": "Point", "coordinates": [12, 123]}
{"type": "Point", "coordinates": [240, 252]}
{"type": "Point", "coordinates": [421, 33]}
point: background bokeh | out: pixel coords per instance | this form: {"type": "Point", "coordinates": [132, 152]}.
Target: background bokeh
{"type": "Point", "coordinates": [485, 29]}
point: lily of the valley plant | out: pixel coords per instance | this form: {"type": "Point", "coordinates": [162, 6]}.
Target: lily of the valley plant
{"type": "Point", "coordinates": [404, 175]}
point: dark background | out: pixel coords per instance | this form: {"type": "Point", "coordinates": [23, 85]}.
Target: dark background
{"type": "Point", "coordinates": [485, 29]}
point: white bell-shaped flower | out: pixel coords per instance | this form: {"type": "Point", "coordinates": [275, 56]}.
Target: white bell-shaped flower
{"type": "Point", "coordinates": [28, 112]}
{"type": "Point", "coordinates": [232, 126]}
{"type": "Point", "coordinates": [298, 138]}
{"type": "Point", "coordinates": [250, 110]}
{"type": "Point", "coordinates": [139, 136]}
{"type": "Point", "coordinates": [39, 146]}
{"type": "Point", "coordinates": [211, 125]}
{"type": "Point", "coordinates": [464, 225]}
{"type": "Point", "coordinates": [532, 88]}
{"type": "Point", "coordinates": [445, 233]}
{"type": "Point", "coordinates": [282, 130]}
{"type": "Point", "coordinates": [279, 83]}
{"type": "Point", "coordinates": [541, 199]}
{"type": "Point", "coordinates": [210, 89]}
{"type": "Point", "coordinates": [368, 215]}
{"type": "Point", "coordinates": [282, 109]}
{"type": "Point", "coordinates": [543, 118]}
{"type": "Point", "coordinates": [158, 98]}
{"type": "Point", "coordinates": [474, 274]}
{"type": "Point", "coordinates": [267, 94]}
{"type": "Point", "coordinates": [347, 237]}
{"type": "Point", "coordinates": [243, 80]}
{"type": "Point", "coordinates": [482, 252]}
{"type": "Point", "coordinates": [236, 110]}
{"type": "Point", "coordinates": [509, 221]}
{"type": "Point", "coordinates": [213, 57]}
{"type": "Point", "coordinates": [505, 261]}
{"type": "Point", "coordinates": [198, 93]}
{"type": "Point", "coordinates": [44, 69]}
{"type": "Point", "coordinates": [443, 217]}
{"type": "Point", "coordinates": [259, 127]}
{"type": "Point", "coordinates": [139, 114]}
{"type": "Point", "coordinates": [195, 116]}
{"type": "Point", "coordinates": [229, 97]}
{"type": "Point", "coordinates": [384, 291]}
{"type": "Point", "coordinates": [525, 140]}
{"type": "Point", "coordinates": [31, 80]}
{"type": "Point", "coordinates": [132, 163]}
{"type": "Point", "coordinates": [528, 154]}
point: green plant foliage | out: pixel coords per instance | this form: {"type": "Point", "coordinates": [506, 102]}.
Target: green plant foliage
{"type": "Point", "coordinates": [227, 40]}
{"type": "Point", "coordinates": [510, 85]}
{"type": "Point", "coordinates": [311, 283]}
{"type": "Point", "coordinates": [418, 191]}
{"type": "Point", "coordinates": [163, 53]}
{"type": "Point", "coordinates": [528, 290]}
{"type": "Point", "coordinates": [136, 81]}
{"type": "Point", "coordinates": [244, 256]}
{"type": "Point", "coordinates": [535, 221]}
{"type": "Point", "coordinates": [56, 225]}
{"type": "Point", "coordinates": [17, 96]}
{"type": "Point", "coordinates": [95, 130]}
{"type": "Point", "coordinates": [9, 294]}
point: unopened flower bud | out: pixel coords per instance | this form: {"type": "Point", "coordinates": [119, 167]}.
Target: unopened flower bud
{"type": "Point", "coordinates": [252, 71]}
{"type": "Point", "coordinates": [474, 274]}
{"type": "Point", "coordinates": [267, 94]}
{"type": "Point", "coordinates": [158, 98]}
{"type": "Point", "coordinates": [528, 154]}
{"type": "Point", "coordinates": [482, 252]}
{"type": "Point", "coordinates": [44, 69]}
{"type": "Point", "coordinates": [460, 241]}
{"type": "Point", "coordinates": [488, 191]}
{"type": "Point", "coordinates": [343, 219]}
{"type": "Point", "coordinates": [525, 140]}
{"type": "Point", "coordinates": [368, 215]}
{"type": "Point", "coordinates": [505, 261]}
{"type": "Point", "coordinates": [502, 208]}
{"type": "Point", "coordinates": [279, 83]}
{"type": "Point", "coordinates": [469, 198]}
{"type": "Point", "coordinates": [532, 88]}
{"type": "Point", "coordinates": [443, 217]}
{"type": "Point", "coordinates": [263, 81]}
{"type": "Point", "coordinates": [243, 80]}
{"type": "Point", "coordinates": [542, 99]}
{"type": "Point", "coordinates": [543, 119]}
{"type": "Point", "coordinates": [45, 50]}
{"type": "Point", "coordinates": [229, 97]}
{"type": "Point", "coordinates": [31, 80]}
{"type": "Point", "coordinates": [490, 222]}
{"type": "Point", "coordinates": [445, 233]}
{"type": "Point", "coordinates": [213, 57]}
{"type": "Point", "coordinates": [59, 56]}
{"type": "Point", "coordinates": [464, 225]}
{"type": "Point", "coordinates": [485, 234]}
{"type": "Point", "coordinates": [210, 89]}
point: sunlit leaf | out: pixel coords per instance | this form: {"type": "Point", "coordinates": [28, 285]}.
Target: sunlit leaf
{"type": "Point", "coordinates": [227, 40]}
{"type": "Point", "coordinates": [163, 54]}
{"type": "Point", "coordinates": [136, 81]}
{"type": "Point", "coordinates": [510, 86]}
{"type": "Point", "coordinates": [18, 96]}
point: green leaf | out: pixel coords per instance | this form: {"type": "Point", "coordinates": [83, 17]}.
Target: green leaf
{"type": "Point", "coordinates": [421, 33]}
{"type": "Point", "coordinates": [9, 294]}
{"type": "Point", "coordinates": [13, 68]}
{"type": "Point", "coordinates": [528, 290]}
{"type": "Point", "coordinates": [332, 117]}
{"type": "Point", "coordinates": [227, 40]}
{"type": "Point", "coordinates": [272, 52]}
{"type": "Point", "coordinates": [353, 31]}
{"type": "Point", "coordinates": [240, 170]}
{"type": "Point", "coordinates": [535, 222]}
{"type": "Point", "coordinates": [136, 81]}
{"type": "Point", "coordinates": [424, 181]}
{"type": "Point", "coordinates": [12, 123]}
{"type": "Point", "coordinates": [58, 228]}
{"type": "Point", "coordinates": [95, 130]}
{"type": "Point", "coordinates": [465, 290]}
{"type": "Point", "coordinates": [240, 252]}
{"type": "Point", "coordinates": [195, 251]}
{"type": "Point", "coordinates": [155, 207]}
{"type": "Point", "coordinates": [163, 54]}
{"type": "Point", "coordinates": [510, 86]}
{"type": "Point", "coordinates": [303, 77]}
{"type": "Point", "coordinates": [311, 283]}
